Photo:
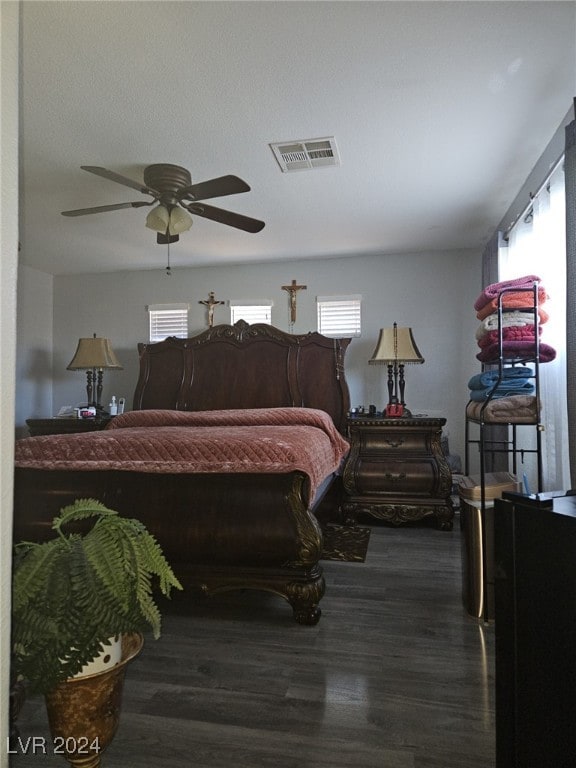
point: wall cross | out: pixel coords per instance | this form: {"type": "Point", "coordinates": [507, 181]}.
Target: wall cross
{"type": "Point", "coordinates": [211, 302]}
{"type": "Point", "coordinates": [292, 289]}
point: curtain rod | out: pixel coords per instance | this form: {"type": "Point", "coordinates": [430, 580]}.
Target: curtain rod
{"type": "Point", "coordinates": [532, 195]}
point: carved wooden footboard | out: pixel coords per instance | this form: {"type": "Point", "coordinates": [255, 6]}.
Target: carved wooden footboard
{"type": "Point", "coordinates": [219, 532]}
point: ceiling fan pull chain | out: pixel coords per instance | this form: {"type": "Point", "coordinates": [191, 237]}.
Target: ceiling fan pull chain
{"type": "Point", "coordinates": [168, 270]}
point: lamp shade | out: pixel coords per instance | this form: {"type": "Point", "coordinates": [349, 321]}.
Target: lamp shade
{"type": "Point", "coordinates": [180, 221]}
{"type": "Point", "coordinates": [396, 345]}
{"type": "Point", "coordinates": [158, 219]}
{"type": "Point", "coordinates": [94, 353]}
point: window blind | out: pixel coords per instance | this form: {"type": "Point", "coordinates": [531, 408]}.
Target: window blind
{"type": "Point", "coordinates": [339, 316]}
{"type": "Point", "coordinates": [168, 320]}
{"type": "Point", "coordinates": [253, 312]}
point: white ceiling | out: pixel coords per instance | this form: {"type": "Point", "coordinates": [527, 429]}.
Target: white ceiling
{"type": "Point", "coordinates": [439, 110]}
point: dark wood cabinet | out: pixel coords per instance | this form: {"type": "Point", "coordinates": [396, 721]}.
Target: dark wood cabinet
{"type": "Point", "coordinates": [57, 426]}
{"type": "Point", "coordinates": [535, 632]}
{"type": "Point", "coordinates": [396, 471]}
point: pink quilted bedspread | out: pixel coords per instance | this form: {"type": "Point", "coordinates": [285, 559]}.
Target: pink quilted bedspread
{"type": "Point", "coordinates": [267, 440]}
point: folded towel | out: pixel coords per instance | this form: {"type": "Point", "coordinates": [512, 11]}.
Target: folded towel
{"type": "Point", "coordinates": [479, 395]}
{"type": "Point", "coordinates": [495, 289]}
{"type": "Point", "coordinates": [515, 350]}
{"type": "Point", "coordinates": [523, 409]}
{"type": "Point", "coordinates": [512, 300]}
{"type": "Point", "coordinates": [514, 317]}
{"type": "Point", "coordinates": [511, 333]}
{"type": "Point", "coordinates": [519, 373]}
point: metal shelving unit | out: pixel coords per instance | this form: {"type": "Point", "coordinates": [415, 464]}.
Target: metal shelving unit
{"type": "Point", "coordinates": [503, 437]}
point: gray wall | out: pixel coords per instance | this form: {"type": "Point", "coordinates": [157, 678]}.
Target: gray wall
{"type": "Point", "coordinates": [431, 292]}
{"type": "Point", "coordinates": [34, 348]}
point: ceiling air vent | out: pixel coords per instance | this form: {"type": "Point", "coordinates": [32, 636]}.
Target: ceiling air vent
{"type": "Point", "coordinates": [306, 154]}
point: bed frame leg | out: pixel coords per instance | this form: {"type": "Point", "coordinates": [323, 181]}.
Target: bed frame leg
{"type": "Point", "coordinates": [304, 599]}
{"type": "Point", "coordinates": [308, 615]}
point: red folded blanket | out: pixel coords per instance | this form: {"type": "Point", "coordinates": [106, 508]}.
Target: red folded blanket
{"type": "Point", "coordinates": [515, 350]}
{"type": "Point", "coordinates": [493, 291]}
{"type": "Point", "coordinates": [510, 333]}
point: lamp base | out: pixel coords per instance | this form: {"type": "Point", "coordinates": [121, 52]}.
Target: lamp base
{"type": "Point", "coordinates": [397, 410]}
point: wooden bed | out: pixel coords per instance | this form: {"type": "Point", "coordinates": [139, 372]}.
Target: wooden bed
{"type": "Point", "coordinates": [221, 529]}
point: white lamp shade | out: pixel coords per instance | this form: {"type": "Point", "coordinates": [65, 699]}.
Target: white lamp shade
{"type": "Point", "coordinates": [180, 221]}
{"type": "Point", "coordinates": [158, 219]}
{"type": "Point", "coordinates": [396, 345]}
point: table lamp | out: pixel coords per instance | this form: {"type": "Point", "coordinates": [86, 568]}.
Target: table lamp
{"type": "Point", "coordinates": [93, 355]}
{"type": "Point", "coordinates": [396, 348]}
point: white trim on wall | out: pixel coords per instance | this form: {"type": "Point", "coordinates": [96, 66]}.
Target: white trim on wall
{"type": "Point", "coordinates": [9, 36]}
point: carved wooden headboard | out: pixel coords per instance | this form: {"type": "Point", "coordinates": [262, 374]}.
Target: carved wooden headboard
{"type": "Point", "coordinates": [244, 366]}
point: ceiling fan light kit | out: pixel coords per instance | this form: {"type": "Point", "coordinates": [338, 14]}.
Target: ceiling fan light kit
{"type": "Point", "coordinates": [171, 187]}
{"type": "Point", "coordinates": [170, 222]}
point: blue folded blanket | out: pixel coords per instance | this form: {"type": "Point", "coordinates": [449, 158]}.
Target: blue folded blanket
{"type": "Point", "coordinates": [514, 381]}
{"type": "Point", "coordinates": [510, 376]}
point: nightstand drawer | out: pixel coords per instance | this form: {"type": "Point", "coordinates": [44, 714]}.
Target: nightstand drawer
{"type": "Point", "coordinates": [373, 442]}
{"type": "Point", "coordinates": [413, 477]}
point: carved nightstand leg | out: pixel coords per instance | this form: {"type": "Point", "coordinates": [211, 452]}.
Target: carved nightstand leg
{"type": "Point", "coordinates": [445, 518]}
{"type": "Point", "coordinates": [349, 514]}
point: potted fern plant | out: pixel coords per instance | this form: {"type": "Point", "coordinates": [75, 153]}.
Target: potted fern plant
{"type": "Point", "coordinates": [71, 595]}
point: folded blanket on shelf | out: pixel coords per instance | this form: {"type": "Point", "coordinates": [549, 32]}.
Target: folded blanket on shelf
{"type": "Point", "coordinates": [510, 333]}
{"type": "Point", "coordinates": [515, 350]}
{"type": "Point", "coordinates": [489, 378]}
{"type": "Point", "coordinates": [512, 300]}
{"type": "Point", "coordinates": [479, 395]}
{"type": "Point", "coordinates": [514, 381]}
{"type": "Point", "coordinates": [515, 317]}
{"type": "Point", "coordinates": [495, 289]}
{"type": "Point", "coordinates": [522, 409]}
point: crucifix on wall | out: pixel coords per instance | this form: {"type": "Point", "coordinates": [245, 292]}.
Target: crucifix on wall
{"type": "Point", "coordinates": [292, 289]}
{"type": "Point", "coordinates": [210, 303]}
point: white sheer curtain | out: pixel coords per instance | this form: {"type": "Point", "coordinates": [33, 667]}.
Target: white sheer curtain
{"type": "Point", "coordinates": [537, 246]}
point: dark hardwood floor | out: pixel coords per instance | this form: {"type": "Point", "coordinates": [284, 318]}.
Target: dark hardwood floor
{"type": "Point", "coordinates": [395, 675]}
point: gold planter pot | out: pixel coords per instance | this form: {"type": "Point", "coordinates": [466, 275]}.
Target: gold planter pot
{"type": "Point", "coordinates": [84, 712]}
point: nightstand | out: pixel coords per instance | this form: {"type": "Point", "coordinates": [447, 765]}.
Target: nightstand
{"type": "Point", "coordinates": [396, 471]}
{"type": "Point", "coordinates": [57, 426]}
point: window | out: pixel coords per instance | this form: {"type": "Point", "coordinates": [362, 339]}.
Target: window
{"type": "Point", "coordinates": [253, 312]}
{"type": "Point", "coordinates": [536, 245]}
{"type": "Point", "coordinates": [168, 320]}
{"type": "Point", "coordinates": [339, 316]}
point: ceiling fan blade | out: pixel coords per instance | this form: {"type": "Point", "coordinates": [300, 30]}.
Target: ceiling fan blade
{"type": "Point", "coordinates": [104, 208]}
{"type": "Point", "coordinates": [112, 176]}
{"type": "Point", "coordinates": [225, 217]}
{"type": "Point", "coordinates": [223, 185]}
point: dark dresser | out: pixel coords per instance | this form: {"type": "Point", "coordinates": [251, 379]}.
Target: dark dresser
{"type": "Point", "coordinates": [535, 631]}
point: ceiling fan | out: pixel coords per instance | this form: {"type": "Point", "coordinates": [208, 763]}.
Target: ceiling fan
{"type": "Point", "coordinates": [171, 187]}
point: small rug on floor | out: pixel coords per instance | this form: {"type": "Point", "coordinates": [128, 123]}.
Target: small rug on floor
{"type": "Point", "coordinates": [345, 542]}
